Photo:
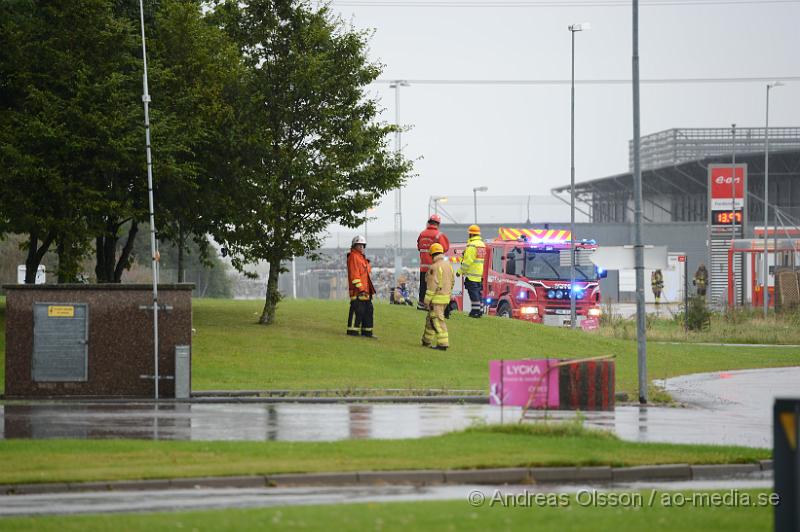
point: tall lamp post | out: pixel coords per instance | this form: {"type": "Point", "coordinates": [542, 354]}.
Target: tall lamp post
{"type": "Point", "coordinates": [475, 191]}
{"type": "Point", "coordinates": [436, 201]}
{"type": "Point", "coordinates": [766, 198]}
{"type": "Point", "coordinates": [572, 313]}
{"type": "Point", "coordinates": [641, 338]}
{"type": "Point", "coordinates": [398, 194]}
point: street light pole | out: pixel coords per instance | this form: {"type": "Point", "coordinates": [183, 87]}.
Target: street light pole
{"type": "Point", "coordinates": [641, 341]}
{"type": "Point", "coordinates": [398, 194]}
{"type": "Point", "coordinates": [766, 199]}
{"type": "Point", "coordinates": [733, 211]}
{"type": "Point", "coordinates": [475, 191]}
{"type": "Point", "coordinates": [572, 312]}
{"type": "Point", "coordinates": [436, 201]}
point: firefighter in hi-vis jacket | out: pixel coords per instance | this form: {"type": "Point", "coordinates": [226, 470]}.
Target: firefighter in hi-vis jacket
{"type": "Point", "coordinates": [359, 320]}
{"type": "Point", "coordinates": [430, 235]}
{"type": "Point", "coordinates": [439, 287]}
{"type": "Point", "coordinates": [472, 270]}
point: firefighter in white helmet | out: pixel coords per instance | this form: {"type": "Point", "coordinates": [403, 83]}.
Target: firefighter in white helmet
{"type": "Point", "coordinates": [359, 320]}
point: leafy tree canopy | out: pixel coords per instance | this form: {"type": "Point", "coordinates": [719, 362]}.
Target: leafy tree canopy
{"type": "Point", "coordinates": [312, 151]}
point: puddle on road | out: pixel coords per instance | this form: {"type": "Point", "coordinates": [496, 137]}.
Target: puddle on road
{"type": "Point", "coordinates": [733, 408]}
{"type": "Point", "coordinates": [326, 422]}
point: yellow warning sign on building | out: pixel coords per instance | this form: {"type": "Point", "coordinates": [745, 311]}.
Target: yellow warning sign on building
{"type": "Point", "coordinates": [60, 311]}
{"type": "Point", "coordinates": [789, 422]}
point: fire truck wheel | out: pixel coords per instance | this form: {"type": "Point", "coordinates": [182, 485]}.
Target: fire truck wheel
{"type": "Point", "coordinates": [504, 311]}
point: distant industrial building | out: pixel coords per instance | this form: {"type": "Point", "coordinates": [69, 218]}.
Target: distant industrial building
{"type": "Point", "coordinates": [676, 200]}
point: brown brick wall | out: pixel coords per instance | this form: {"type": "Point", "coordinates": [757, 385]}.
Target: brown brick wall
{"type": "Point", "coordinates": [120, 347]}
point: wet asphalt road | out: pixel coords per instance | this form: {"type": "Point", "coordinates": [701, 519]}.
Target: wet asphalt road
{"type": "Point", "coordinates": [209, 499]}
{"type": "Point", "coordinates": [722, 408]}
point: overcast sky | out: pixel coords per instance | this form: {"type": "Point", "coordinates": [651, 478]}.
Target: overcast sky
{"type": "Point", "coordinates": [515, 139]}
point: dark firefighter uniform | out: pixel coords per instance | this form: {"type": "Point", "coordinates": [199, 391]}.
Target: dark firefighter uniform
{"type": "Point", "coordinates": [657, 284]}
{"type": "Point", "coordinates": [359, 320]}
{"type": "Point", "coordinates": [701, 280]}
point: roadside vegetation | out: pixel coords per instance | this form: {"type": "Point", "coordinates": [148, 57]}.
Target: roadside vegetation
{"type": "Point", "coordinates": [490, 446]}
{"type": "Point", "coordinates": [307, 349]}
{"type": "Point", "coordinates": [734, 326]}
{"type": "Point", "coordinates": [438, 515]}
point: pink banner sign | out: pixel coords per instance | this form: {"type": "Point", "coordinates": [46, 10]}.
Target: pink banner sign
{"type": "Point", "coordinates": [590, 324]}
{"type": "Point", "coordinates": [531, 383]}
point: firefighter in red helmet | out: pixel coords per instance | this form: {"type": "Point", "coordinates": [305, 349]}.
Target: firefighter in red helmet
{"type": "Point", "coordinates": [430, 235]}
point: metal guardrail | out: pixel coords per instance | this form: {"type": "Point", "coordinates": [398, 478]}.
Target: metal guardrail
{"type": "Point", "coordinates": [679, 145]}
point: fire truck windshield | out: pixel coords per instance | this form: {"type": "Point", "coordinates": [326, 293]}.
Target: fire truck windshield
{"type": "Point", "coordinates": [547, 265]}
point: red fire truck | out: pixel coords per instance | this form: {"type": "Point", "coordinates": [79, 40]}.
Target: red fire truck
{"type": "Point", "coordinates": [527, 276]}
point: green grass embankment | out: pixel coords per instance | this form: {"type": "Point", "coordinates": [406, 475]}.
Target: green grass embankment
{"type": "Point", "coordinates": [307, 349]}
{"type": "Point", "coordinates": [481, 447]}
{"type": "Point", "coordinates": [637, 514]}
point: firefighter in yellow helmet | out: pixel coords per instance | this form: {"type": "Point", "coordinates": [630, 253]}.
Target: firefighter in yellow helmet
{"type": "Point", "coordinates": [439, 286]}
{"type": "Point", "coordinates": [472, 270]}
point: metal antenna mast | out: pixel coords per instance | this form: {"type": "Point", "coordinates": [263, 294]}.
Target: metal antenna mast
{"type": "Point", "coordinates": [153, 249]}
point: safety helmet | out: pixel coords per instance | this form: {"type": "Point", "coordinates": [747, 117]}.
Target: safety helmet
{"type": "Point", "coordinates": [474, 230]}
{"type": "Point", "coordinates": [436, 248]}
{"type": "Point", "coordinates": [358, 239]}
{"type": "Point", "coordinates": [435, 218]}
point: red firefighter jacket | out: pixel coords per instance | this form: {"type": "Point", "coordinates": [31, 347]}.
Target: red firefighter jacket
{"type": "Point", "coordinates": [358, 270]}
{"type": "Point", "coordinates": [430, 235]}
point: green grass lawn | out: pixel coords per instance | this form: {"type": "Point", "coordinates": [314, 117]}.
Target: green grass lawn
{"type": "Point", "coordinates": [436, 515]}
{"type": "Point", "coordinates": [307, 349]}
{"type": "Point", "coordinates": [515, 445]}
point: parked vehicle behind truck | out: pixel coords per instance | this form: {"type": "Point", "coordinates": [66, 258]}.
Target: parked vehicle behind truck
{"type": "Point", "coordinates": [527, 277]}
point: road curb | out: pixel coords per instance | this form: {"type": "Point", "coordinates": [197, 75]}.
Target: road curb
{"type": "Point", "coordinates": [655, 472]}
{"type": "Point", "coordinates": [499, 476]}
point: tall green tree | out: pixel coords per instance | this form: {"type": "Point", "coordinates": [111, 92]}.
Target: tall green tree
{"type": "Point", "coordinates": [72, 150]}
{"type": "Point", "coordinates": [312, 151]}
{"type": "Point", "coordinates": [196, 69]}
{"type": "Point", "coordinates": [51, 54]}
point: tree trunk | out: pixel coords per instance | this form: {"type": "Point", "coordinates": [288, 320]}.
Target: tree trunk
{"type": "Point", "coordinates": [124, 257]}
{"type": "Point", "coordinates": [35, 255]}
{"type": "Point", "coordinates": [273, 296]}
{"type": "Point", "coordinates": [69, 260]}
{"type": "Point", "coordinates": [105, 249]}
{"type": "Point", "coordinates": [181, 244]}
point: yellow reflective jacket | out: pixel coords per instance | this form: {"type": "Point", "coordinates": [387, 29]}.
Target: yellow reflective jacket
{"type": "Point", "coordinates": [472, 262]}
{"type": "Point", "coordinates": [439, 281]}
